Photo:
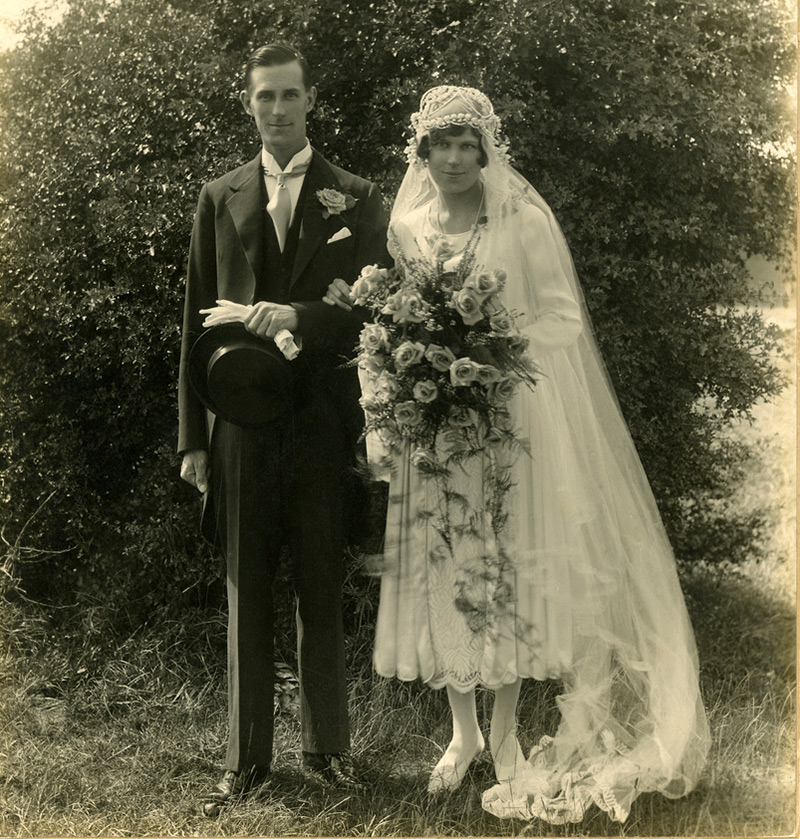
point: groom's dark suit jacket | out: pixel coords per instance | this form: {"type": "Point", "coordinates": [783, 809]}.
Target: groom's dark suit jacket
{"type": "Point", "coordinates": [287, 482]}
{"type": "Point", "coordinates": [227, 261]}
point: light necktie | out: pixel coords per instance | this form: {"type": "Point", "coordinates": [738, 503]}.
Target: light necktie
{"type": "Point", "coordinates": [280, 203]}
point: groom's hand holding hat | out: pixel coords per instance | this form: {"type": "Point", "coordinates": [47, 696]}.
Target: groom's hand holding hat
{"type": "Point", "coordinates": [266, 320]}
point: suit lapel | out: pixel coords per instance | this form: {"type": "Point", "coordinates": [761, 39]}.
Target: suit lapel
{"type": "Point", "coordinates": [314, 229]}
{"type": "Point", "coordinates": [247, 206]}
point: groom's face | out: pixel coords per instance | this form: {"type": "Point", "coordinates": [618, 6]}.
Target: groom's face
{"type": "Point", "coordinates": [277, 99]}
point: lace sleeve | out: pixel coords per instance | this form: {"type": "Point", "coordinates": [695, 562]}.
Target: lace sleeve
{"type": "Point", "coordinates": [393, 242]}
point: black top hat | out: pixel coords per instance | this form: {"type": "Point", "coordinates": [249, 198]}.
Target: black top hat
{"type": "Point", "coordinates": [241, 378]}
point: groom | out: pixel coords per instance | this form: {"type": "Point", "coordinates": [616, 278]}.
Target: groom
{"type": "Point", "coordinates": [274, 233]}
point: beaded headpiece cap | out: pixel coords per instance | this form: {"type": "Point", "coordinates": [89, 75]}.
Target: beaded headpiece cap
{"type": "Point", "coordinates": [452, 105]}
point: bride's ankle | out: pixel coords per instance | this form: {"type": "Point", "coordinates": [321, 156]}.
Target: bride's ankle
{"type": "Point", "coordinates": [471, 742]}
{"type": "Point", "coordinates": [507, 756]}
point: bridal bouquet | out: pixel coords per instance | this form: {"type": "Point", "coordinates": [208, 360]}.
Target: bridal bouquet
{"type": "Point", "coordinates": [439, 364]}
{"type": "Point", "coordinates": [441, 359]}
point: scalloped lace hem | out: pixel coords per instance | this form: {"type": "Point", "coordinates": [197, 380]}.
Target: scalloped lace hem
{"type": "Point", "coordinates": [463, 684]}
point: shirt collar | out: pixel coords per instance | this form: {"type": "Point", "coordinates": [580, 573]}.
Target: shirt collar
{"type": "Point", "coordinates": [271, 166]}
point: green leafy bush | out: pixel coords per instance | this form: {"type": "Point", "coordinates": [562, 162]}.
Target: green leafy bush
{"type": "Point", "coordinates": [655, 128]}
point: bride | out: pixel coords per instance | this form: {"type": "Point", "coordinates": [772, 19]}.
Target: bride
{"type": "Point", "coordinates": [593, 598]}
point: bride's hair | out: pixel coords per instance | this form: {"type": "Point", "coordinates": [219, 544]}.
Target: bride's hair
{"type": "Point", "coordinates": [452, 130]}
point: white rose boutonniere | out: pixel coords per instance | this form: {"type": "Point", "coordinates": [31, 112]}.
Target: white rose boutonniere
{"type": "Point", "coordinates": [335, 202]}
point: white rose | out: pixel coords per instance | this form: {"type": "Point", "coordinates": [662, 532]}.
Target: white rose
{"type": "Point", "coordinates": [503, 390]}
{"type": "Point", "coordinates": [360, 291]}
{"type": "Point", "coordinates": [501, 323]}
{"type": "Point", "coordinates": [372, 362]}
{"type": "Point", "coordinates": [408, 354]}
{"type": "Point", "coordinates": [467, 302]}
{"type": "Point", "coordinates": [461, 417]}
{"type": "Point", "coordinates": [407, 413]}
{"type": "Point", "coordinates": [463, 372]}
{"type": "Point", "coordinates": [373, 275]}
{"type": "Point", "coordinates": [484, 284]}
{"type": "Point", "coordinates": [370, 404]}
{"type": "Point", "coordinates": [413, 309]}
{"type": "Point", "coordinates": [396, 306]}
{"type": "Point", "coordinates": [333, 200]}
{"type": "Point", "coordinates": [425, 391]}
{"type": "Point", "coordinates": [440, 357]}
{"type": "Point", "coordinates": [387, 386]}
{"type": "Point", "coordinates": [374, 337]}
{"type": "Point", "coordinates": [485, 374]}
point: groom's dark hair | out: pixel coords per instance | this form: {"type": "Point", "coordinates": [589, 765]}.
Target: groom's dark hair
{"type": "Point", "coordinates": [272, 55]}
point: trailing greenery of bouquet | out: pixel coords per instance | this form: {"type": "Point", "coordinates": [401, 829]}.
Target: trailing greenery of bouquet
{"type": "Point", "coordinates": [442, 359]}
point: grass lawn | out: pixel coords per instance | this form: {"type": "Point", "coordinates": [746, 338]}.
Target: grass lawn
{"type": "Point", "coordinates": [115, 737]}
{"type": "Point", "coordinates": [108, 734]}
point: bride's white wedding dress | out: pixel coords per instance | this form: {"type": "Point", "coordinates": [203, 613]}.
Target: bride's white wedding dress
{"type": "Point", "coordinates": [591, 595]}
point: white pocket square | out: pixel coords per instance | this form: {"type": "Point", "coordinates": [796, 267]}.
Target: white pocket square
{"type": "Point", "coordinates": [340, 234]}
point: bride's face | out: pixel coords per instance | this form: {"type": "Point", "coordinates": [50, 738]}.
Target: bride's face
{"type": "Point", "coordinates": [454, 161]}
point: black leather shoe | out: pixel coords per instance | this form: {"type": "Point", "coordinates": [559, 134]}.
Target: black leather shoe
{"type": "Point", "coordinates": [332, 770]}
{"type": "Point", "coordinates": [232, 785]}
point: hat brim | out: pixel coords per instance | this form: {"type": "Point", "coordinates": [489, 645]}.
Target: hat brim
{"type": "Point", "coordinates": [239, 377]}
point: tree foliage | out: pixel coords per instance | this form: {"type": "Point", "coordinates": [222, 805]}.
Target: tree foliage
{"type": "Point", "coordinates": [656, 129]}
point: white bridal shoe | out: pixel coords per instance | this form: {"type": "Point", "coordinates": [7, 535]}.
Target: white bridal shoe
{"type": "Point", "coordinates": [450, 771]}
